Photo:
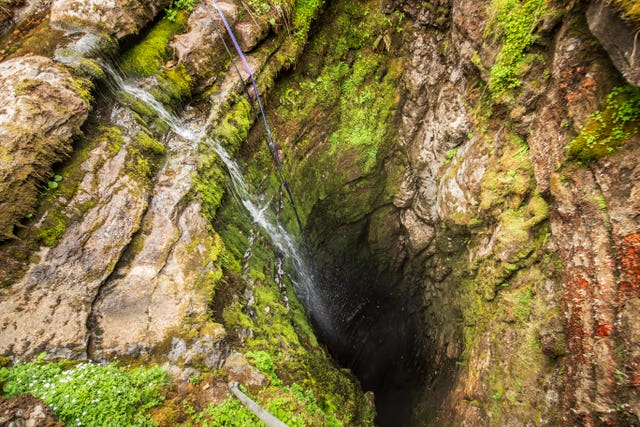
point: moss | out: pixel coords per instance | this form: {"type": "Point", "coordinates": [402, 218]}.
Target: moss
{"type": "Point", "coordinates": [630, 9]}
{"type": "Point", "coordinates": [233, 128]}
{"type": "Point", "coordinates": [83, 88]}
{"type": "Point", "coordinates": [147, 144]}
{"type": "Point", "coordinates": [366, 104]}
{"type": "Point", "coordinates": [147, 57]}
{"type": "Point", "coordinates": [514, 23]}
{"type": "Point", "coordinates": [144, 154]}
{"type": "Point", "coordinates": [304, 13]}
{"type": "Point", "coordinates": [608, 129]}
{"type": "Point", "coordinates": [52, 228]}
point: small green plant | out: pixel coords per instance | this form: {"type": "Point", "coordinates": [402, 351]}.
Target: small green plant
{"type": "Point", "coordinates": [609, 128]}
{"type": "Point", "coordinates": [88, 394]}
{"type": "Point", "coordinates": [451, 154]}
{"type": "Point", "coordinates": [176, 6]}
{"type": "Point", "coordinates": [514, 22]}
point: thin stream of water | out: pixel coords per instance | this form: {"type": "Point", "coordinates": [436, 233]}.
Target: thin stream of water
{"type": "Point", "coordinates": [304, 281]}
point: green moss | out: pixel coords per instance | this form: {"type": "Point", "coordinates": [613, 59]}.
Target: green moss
{"type": "Point", "coordinates": [147, 57]}
{"type": "Point", "coordinates": [233, 128]}
{"type": "Point", "coordinates": [52, 228]}
{"type": "Point", "coordinates": [210, 185]}
{"type": "Point", "coordinates": [609, 128]}
{"type": "Point", "coordinates": [144, 155]}
{"type": "Point", "coordinates": [304, 13]}
{"type": "Point", "coordinates": [366, 104]}
{"type": "Point", "coordinates": [514, 23]}
{"type": "Point", "coordinates": [630, 9]}
{"type": "Point", "coordinates": [147, 144]}
{"type": "Point", "coordinates": [83, 88]}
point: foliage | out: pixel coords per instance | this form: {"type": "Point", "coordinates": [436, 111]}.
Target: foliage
{"type": "Point", "coordinates": [609, 128]}
{"type": "Point", "coordinates": [88, 394]}
{"type": "Point", "coordinates": [263, 361]}
{"type": "Point", "coordinates": [366, 104]}
{"type": "Point", "coordinates": [293, 405]}
{"type": "Point", "coordinates": [176, 6]}
{"type": "Point", "coordinates": [514, 22]}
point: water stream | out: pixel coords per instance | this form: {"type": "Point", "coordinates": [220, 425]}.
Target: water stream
{"type": "Point", "coordinates": [260, 211]}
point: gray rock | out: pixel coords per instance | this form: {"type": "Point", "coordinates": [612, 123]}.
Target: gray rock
{"type": "Point", "coordinates": [619, 38]}
{"type": "Point", "coordinates": [117, 18]}
{"type": "Point", "coordinates": [200, 49]}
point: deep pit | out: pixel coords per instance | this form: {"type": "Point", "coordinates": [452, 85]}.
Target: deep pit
{"type": "Point", "coordinates": [377, 319]}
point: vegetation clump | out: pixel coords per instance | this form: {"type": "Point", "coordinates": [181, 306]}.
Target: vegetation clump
{"type": "Point", "coordinates": [88, 394]}
{"type": "Point", "coordinates": [609, 128]}
{"type": "Point", "coordinates": [514, 22]}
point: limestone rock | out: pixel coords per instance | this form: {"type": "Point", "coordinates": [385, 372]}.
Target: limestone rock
{"type": "Point", "coordinates": [250, 33]}
{"type": "Point", "coordinates": [118, 18]}
{"type": "Point", "coordinates": [27, 411]}
{"type": "Point", "coordinates": [619, 38]}
{"type": "Point", "coordinates": [420, 234]}
{"type": "Point", "coordinates": [150, 295]}
{"type": "Point", "coordinates": [43, 108]}
{"type": "Point", "coordinates": [200, 49]}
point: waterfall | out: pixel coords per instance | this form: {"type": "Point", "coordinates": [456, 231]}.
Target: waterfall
{"type": "Point", "coordinates": [260, 212]}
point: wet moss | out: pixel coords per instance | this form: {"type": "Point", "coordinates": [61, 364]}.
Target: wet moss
{"type": "Point", "coordinates": [144, 156]}
{"type": "Point", "coordinates": [608, 129]}
{"type": "Point", "coordinates": [147, 57]}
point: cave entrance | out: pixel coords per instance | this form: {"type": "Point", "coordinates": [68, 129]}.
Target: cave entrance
{"type": "Point", "coordinates": [376, 319]}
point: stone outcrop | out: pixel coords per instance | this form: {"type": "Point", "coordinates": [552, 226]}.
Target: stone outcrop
{"type": "Point", "coordinates": [618, 37]}
{"type": "Point", "coordinates": [462, 250]}
{"type": "Point", "coordinates": [43, 109]}
{"type": "Point", "coordinates": [116, 18]}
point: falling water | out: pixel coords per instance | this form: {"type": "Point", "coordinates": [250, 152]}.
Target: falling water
{"type": "Point", "coordinates": [304, 281]}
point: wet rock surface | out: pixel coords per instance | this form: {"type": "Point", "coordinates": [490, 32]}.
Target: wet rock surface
{"type": "Point", "coordinates": [477, 274]}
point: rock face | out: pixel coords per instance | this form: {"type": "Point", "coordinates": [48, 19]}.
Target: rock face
{"type": "Point", "coordinates": [618, 37]}
{"type": "Point", "coordinates": [464, 252]}
{"type": "Point", "coordinates": [44, 107]}
{"type": "Point", "coordinates": [117, 18]}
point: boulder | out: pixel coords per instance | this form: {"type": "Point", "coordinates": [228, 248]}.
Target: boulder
{"type": "Point", "coordinates": [43, 108]}
{"type": "Point", "coordinates": [118, 18]}
{"type": "Point", "coordinates": [200, 49]}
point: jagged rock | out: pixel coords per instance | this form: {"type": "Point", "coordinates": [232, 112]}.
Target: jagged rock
{"type": "Point", "coordinates": [201, 49]}
{"type": "Point", "coordinates": [49, 308]}
{"type": "Point", "coordinates": [238, 369]}
{"type": "Point", "coordinates": [118, 18]}
{"type": "Point", "coordinates": [250, 33]}
{"type": "Point", "coordinates": [420, 234]}
{"type": "Point", "coordinates": [150, 295]}
{"type": "Point", "coordinates": [26, 411]}
{"type": "Point", "coordinates": [619, 38]}
{"type": "Point", "coordinates": [43, 108]}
